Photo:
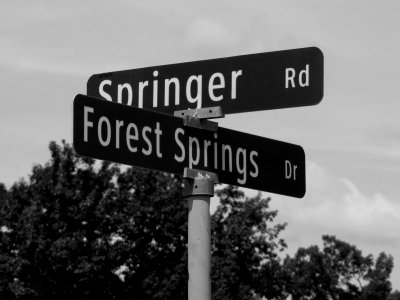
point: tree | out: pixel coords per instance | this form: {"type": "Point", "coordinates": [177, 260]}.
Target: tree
{"type": "Point", "coordinates": [379, 286]}
{"type": "Point", "coordinates": [394, 295]}
{"type": "Point", "coordinates": [340, 271]}
{"type": "Point", "coordinates": [245, 261]}
{"type": "Point", "coordinates": [83, 229]}
{"type": "Point", "coordinates": [75, 227]}
{"type": "Point", "coordinates": [7, 256]}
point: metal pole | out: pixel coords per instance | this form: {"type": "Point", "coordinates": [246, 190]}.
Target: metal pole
{"type": "Point", "coordinates": [199, 189]}
{"type": "Point", "coordinates": [198, 192]}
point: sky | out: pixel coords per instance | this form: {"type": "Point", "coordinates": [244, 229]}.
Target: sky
{"type": "Point", "coordinates": [49, 49]}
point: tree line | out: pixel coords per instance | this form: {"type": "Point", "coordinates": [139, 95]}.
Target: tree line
{"type": "Point", "coordinates": [82, 229]}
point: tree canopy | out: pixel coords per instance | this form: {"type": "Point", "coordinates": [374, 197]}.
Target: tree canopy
{"type": "Point", "coordinates": [80, 228]}
{"type": "Point", "coordinates": [339, 271]}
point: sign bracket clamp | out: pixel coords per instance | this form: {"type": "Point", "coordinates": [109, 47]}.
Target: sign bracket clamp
{"type": "Point", "coordinates": [198, 118]}
{"type": "Point", "coordinates": [199, 182]}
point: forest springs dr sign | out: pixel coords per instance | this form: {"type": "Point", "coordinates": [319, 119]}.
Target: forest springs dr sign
{"type": "Point", "coordinates": [272, 80]}
{"type": "Point", "coordinates": [128, 135]}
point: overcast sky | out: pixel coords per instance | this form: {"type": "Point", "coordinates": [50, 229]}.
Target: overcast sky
{"type": "Point", "coordinates": [49, 49]}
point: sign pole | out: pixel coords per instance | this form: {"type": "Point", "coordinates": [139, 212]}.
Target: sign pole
{"type": "Point", "coordinates": [198, 190]}
{"type": "Point", "coordinates": [135, 136]}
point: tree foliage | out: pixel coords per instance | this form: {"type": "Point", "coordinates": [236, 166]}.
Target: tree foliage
{"type": "Point", "coordinates": [82, 229]}
{"type": "Point", "coordinates": [394, 295]}
{"type": "Point", "coordinates": [78, 230]}
{"type": "Point", "coordinates": [245, 261]}
{"type": "Point", "coordinates": [339, 271]}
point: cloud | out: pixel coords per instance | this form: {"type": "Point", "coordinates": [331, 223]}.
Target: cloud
{"type": "Point", "coordinates": [205, 33]}
{"type": "Point", "coordinates": [336, 206]}
{"type": "Point", "coordinates": [365, 212]}
{"type": "Point", "coordinates": [81, 38]}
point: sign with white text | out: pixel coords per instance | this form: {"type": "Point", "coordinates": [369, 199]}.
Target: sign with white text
{"type": "Point", "coordinates": [132, 136]}
{"type": "Point", "coordinates": [281, 79]}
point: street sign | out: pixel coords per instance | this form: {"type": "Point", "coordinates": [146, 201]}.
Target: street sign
{"type": "Point", "coordinates": [263, 81]}
{"type": "Point", "coordinates": [133, 136]}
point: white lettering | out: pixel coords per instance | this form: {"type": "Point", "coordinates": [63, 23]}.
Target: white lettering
{"type": "Point", "coordinates": [167, 84]}
{"type": "Point", "coordinates": [130, 136]}
{"type": "Point", "coordinates": [193, 140]}
{"type": "Point", "coordinates": [224, 148]}
{"type": "Point", "coordinates": [104, 142]}
{"type": "Point", "coordinates": [235, 75]}
{"type": "Point", "coordinates": [217, 88]}
{"type": "Point", "coordinates": [155, 89]}
{"type": "Point", "coordinates": [86, 122]}
{"type": "Point", "coordinates": [288, 169]}
{"type": "Point", "coordinates": [197, 98]}
{"type": "Point", "coordinates": [118, 125]}
{"type": "Point", "coordinates": [158, 133]}
{"type": "Point", "coordinates": [255, 172]}
{"type": "Point", "coordinates": [215, 152]}
{"type": "Point", "coordinates": [206, 145]}
{"type": "Point", "coordinates": [128, 88]}
{"type": "Point", "coordinates": [243, 169]}
{"type": "Point", "coordinates": [142, 85]}
{"type": "Point", "coordinates": [103, 93]}
{"type": "Point", "coordinates": [146, 139]}
{"type": "Point", "coordinates": [289, 76]}
{"type": "Point", "coordinates": [182, 157]}
{"type": "Point", "coordinates": [212, 86]}
{"type": "Point", "coordinates": [304, 81]}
